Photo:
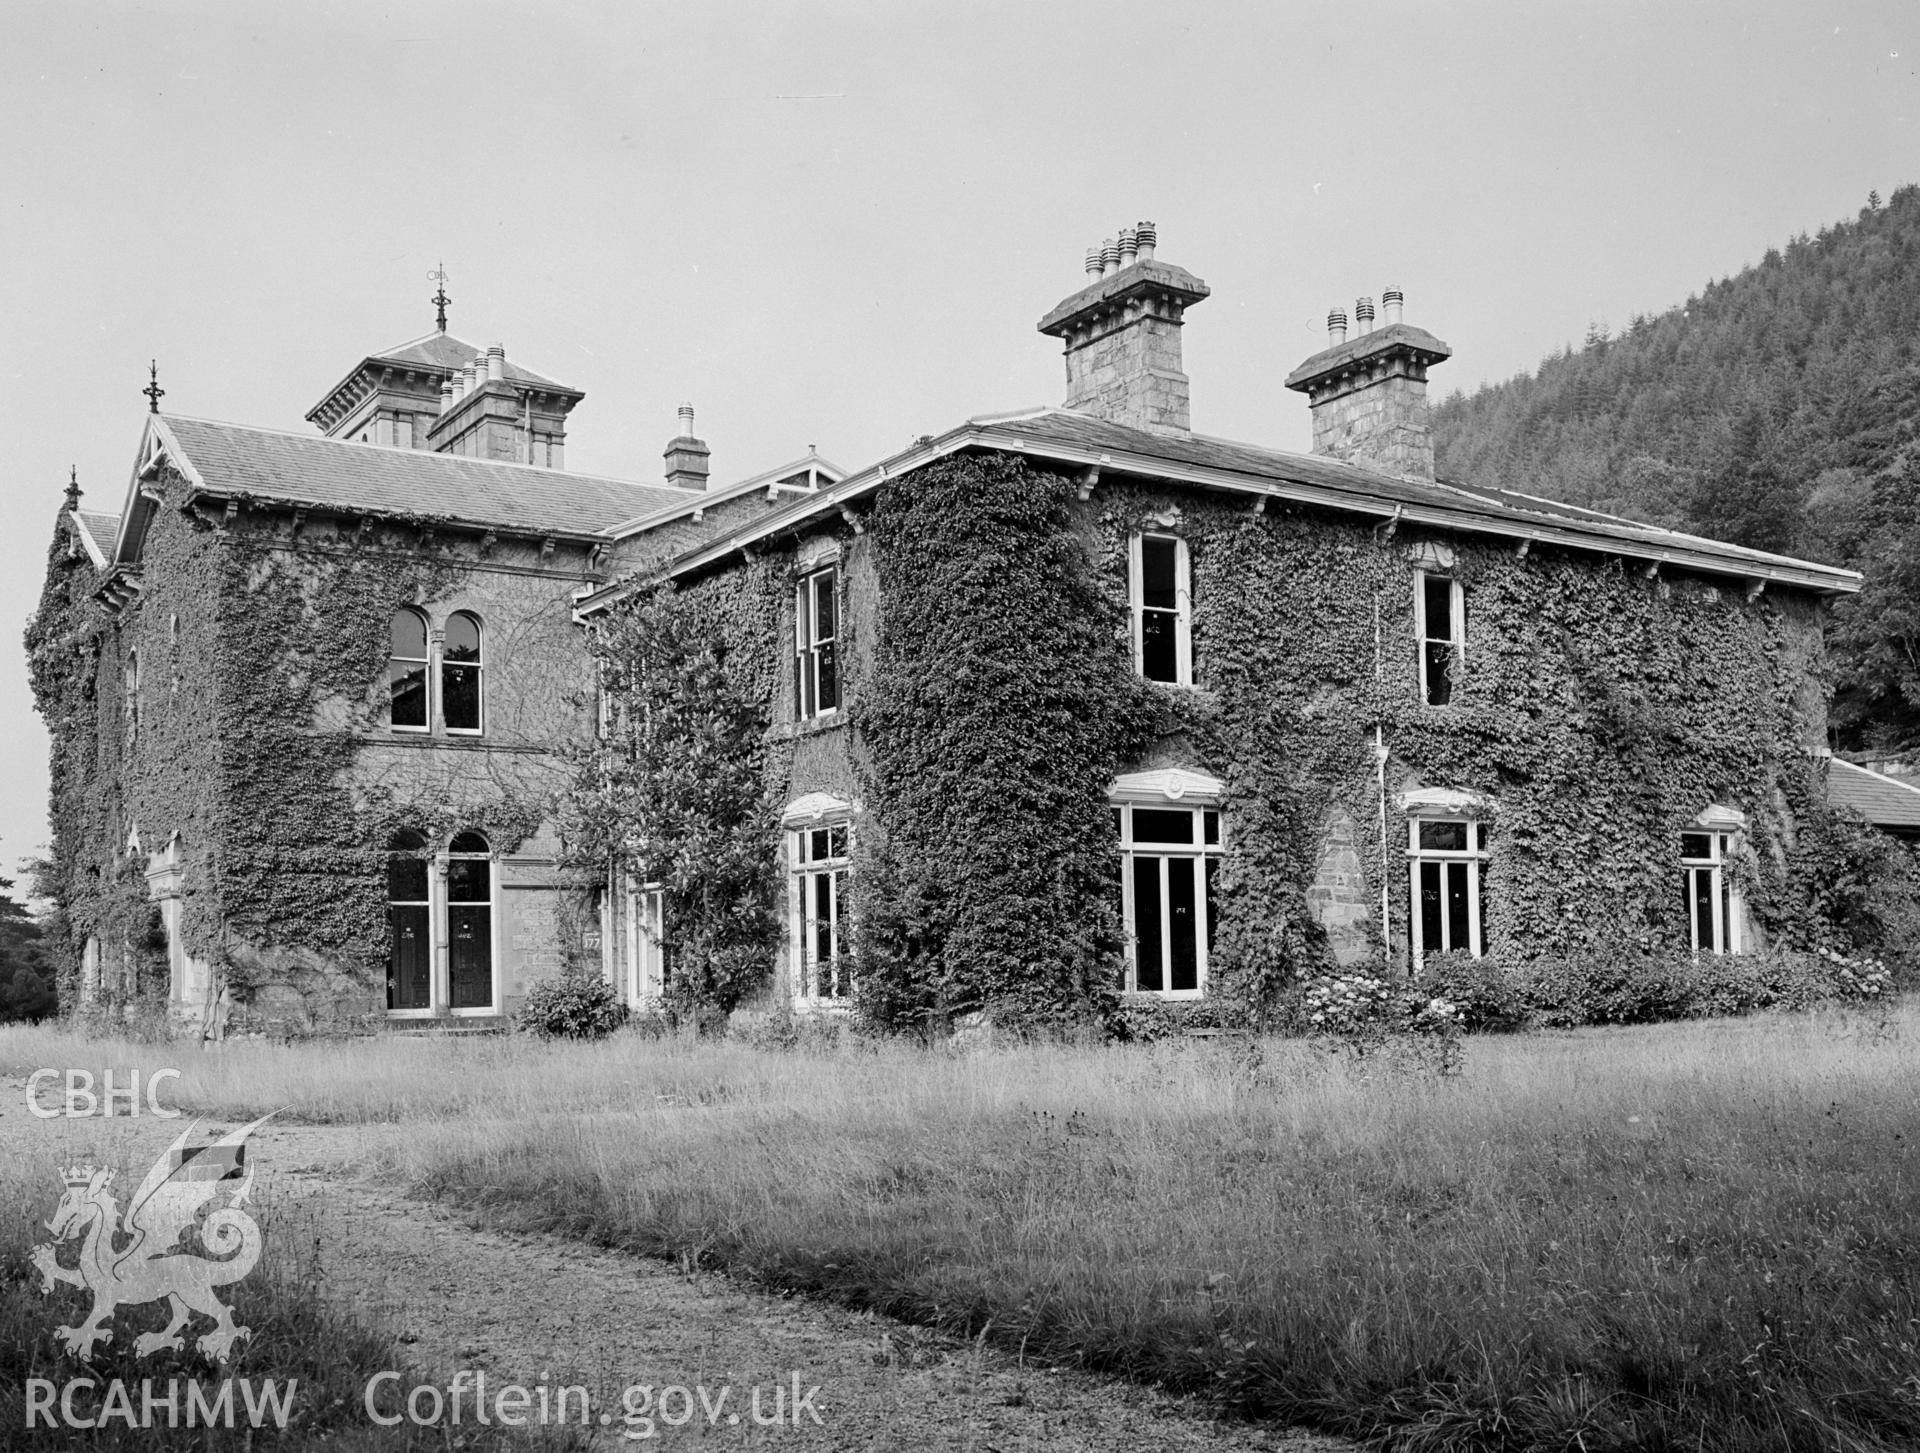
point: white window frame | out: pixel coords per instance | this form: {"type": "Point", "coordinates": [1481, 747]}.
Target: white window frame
{"type": "Point", "coordinates": [1457, 641]}
{"type": "Point", "coordinates": [436, 646]}
{"type": "Point", "coordinates": [1182, 609]}
{"type": "Point", "coordinates": [807, 642]}
{"type": "Point", "coordinates": [1728, 910]}
{"type": "Point", "coordinates": [644, 910]}
{"type": "Point", "coordinates": [1169, 789]}
{"type": "Point", "coordinates": [427, 666]}
{"type": "Point", "coordinates": [803, 870]}
{"type": "Point", "coordinates": [1474, 855]}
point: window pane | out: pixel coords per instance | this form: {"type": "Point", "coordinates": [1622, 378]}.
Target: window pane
{"type": "Point", "coordinates": [460, 697]}
{"type": "Point", "coordinates": [829, 678]}
{"type": "Point", "coordinates": [823, 622]}
{"type": "Point", "coordinates": [406, 880]}
{"type": "Point", "coordinates": [1157, 825]}
{"type": "Point", "coordinates": [1695, 845]}
{"type": "Point", "coordinates": [463, 637]}
{"type": "Point", "coordinates": [837, 841]}
{"type": "Point", "coordinates": [1213, 828]}
{"type": "Point", "coordinates": [1119, 825]}
{"type": "Point", "coordinates": [1439, 609]}
{"type": "Point", "coordinates": [1459, 927]}
{"type": "Point", "coordinates": [816, 845]}
{"type": "Point", "coordinates": [1701, 881]}
{"type": "Point", "coordinates": [1159, 646]}
{"type": "Point", "coordinates": [409, 635]}
{"type": "Point", "coordinates": [1445, 836]}
{"type": "Point", "coordinates": [1184, 923]}
{"type": "Point", "coordinates": [1146, 923]}
{"type": "Point", "coordinates": [467, 880]}
{"type": "Point", "coordinates": [408, 687]}
{"type": "Point", "coordinates": [1432, 922]}
{"type": "Point", "coordinates": [1439, 656]}
{"type": "Point", "coordinates": [469, 842]}
{"type": "Point", "coordinates": [1157, 575]}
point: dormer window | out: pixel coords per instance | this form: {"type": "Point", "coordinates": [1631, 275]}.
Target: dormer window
{"type": "Point", "coordinates": [1160, 588]}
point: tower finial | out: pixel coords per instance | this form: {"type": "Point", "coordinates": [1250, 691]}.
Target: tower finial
{"type": "Point", "coordinates": [440, 298]}
{"type": "Point", "coordinates": [153, 391]}
{"type": "Point", "coordinates": [73, 486]}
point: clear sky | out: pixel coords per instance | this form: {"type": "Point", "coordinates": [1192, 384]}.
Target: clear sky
{"type": "Point", "coordinates": [837, 222]}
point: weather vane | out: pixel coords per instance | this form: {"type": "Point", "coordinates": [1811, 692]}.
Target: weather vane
{"type": "Point", "coordinates": [153, 391]}
{"type": "Point", "coordinates": [73, 486]}
{"type": "Point", "coordinates": [440, 298]}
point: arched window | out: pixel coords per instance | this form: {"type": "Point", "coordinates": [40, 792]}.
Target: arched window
{"type": "Point", "coordinates": [469, 922]}
{"type": "Point", "coordinates": [407, 671]}
{"type": "Point", "coordinates": [460, 674]}
{"type": "Point", "coordinates": [410, 952]}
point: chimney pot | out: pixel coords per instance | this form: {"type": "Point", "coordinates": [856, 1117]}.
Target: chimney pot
{"type": "Point", "coordinates": [687, 457]}
{"type": "Point", "coordinates": [458, 384]}
{"type": "Point", "coordinates": [1122, 341]}
{"type": "Point", "coordinates": [496, 360]}
{"type": "Point", "coordinates": [446, 394]}
{"type": "Point", "coordinates": [1369, 395]}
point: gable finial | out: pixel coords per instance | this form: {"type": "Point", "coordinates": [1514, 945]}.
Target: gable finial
{"type": "Point", "coordinates": [440, 298]}
{"type": "Point", "coordinates": [153, 391]}
{"type": "Point", "coordinates": [73, 486]}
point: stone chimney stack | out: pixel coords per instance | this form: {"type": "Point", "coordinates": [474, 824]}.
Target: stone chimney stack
{"type": "Point", "coordinates": [1122, 335]}
{"type": "Point", "coordinates": [1369, 392]}
{"type": "Point", "coordinates": [687, 456]}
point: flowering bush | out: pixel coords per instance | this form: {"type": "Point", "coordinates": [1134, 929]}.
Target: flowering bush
{"type": "Point", "coordinates": [1363, 1014]}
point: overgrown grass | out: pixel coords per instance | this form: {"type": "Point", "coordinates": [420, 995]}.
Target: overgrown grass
{"type": "Point", "coordinates": [1692, 1236]}
{"type": "Point", "coordinates": [294, 1339]}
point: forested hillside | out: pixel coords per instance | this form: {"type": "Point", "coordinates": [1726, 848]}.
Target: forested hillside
{"type": "Point", "coordinates": [1779, 409]}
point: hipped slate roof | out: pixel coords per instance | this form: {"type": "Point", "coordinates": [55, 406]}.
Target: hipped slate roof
{"type": "Point", "coordinates": [231, 460]}
{"type": "Point", "coordinates": [443, 350]}
{"type": "Point", "coordinates": [1065, 437]}
{"type": "Point", "coordinates": [1883, 801]}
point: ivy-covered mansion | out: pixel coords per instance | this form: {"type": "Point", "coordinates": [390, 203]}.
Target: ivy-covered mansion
{"type": "Point", "coordinates": [396, 718]}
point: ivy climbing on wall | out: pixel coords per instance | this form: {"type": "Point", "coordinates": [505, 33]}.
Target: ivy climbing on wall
{"type": "Point", "coordinates": [678, 790]}
{"type": "Point", "coordinates": [999, 710]}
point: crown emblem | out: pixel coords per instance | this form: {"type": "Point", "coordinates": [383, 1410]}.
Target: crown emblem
{"type": "Point", "coordinates": [80, 1175]}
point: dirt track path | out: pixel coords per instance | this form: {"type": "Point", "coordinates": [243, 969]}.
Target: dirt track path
{"type": "Point", "coordinates": [523, 1308]}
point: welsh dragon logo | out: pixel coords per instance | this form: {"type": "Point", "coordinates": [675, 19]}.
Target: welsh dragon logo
{"type": "Point", "coordinates": [152, 1263]}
